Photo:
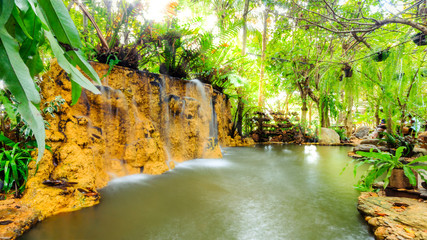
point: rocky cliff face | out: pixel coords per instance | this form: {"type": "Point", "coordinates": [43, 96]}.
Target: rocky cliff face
{"type": "Point", "coordinates": [141, 123]}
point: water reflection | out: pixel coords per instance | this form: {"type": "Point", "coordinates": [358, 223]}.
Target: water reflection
{"type": "Point", "coordinates": [311, 154]}
{"type": "Point", "coordinates": [266, 192]}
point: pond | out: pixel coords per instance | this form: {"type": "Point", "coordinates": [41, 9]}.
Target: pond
{"type": "Point", "coordinates": [263, 192]}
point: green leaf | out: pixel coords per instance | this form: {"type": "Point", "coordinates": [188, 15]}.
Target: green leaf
{"type": "Point", "coordinates": [8, 108]}
{"type": "Point", "coordinates": [35, 120]}
{"type": "Point", "coordinates": [14, 170]}
{"type": "Point", "coordinates": [60, 22]}
{"type": "Point", "coordinates": [14, 71]}
{"type": "Point", "coordinates": [76, 91]}
{"type": "Point", "coordinates": [21, 24]}
{"type": "Point", "coordinates": [75, 74]}
{"type": "Point", "coordinates": [22, 5]}
{"type": "Point", "coordinates": [5, 140]}
{"type": "Point", "coordinates": [376, 155]}
{"type": "Point", "coordinates": [411, 176]}
{"type": "Point", "coordinates": [6, 11]}
{"type": "Point", "coordinates": [80, 60]}
{"type": "Point", "coordinates": [399, 152]}
{"type": "Point", "coordinates": [19, 82]}
{"type": "Point", "coordinates": [387, 178]}
{"type": "Point", "coordinates": [420, 159]}
{"type": "Point", "coordinates": [6, 176]}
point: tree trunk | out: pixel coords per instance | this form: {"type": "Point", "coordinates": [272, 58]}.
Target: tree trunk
{"type": "Point", "coordinates": [245, 27]}
{"type": "Point", "coordinates": [348, 120]}
{"type": "Point", "coordinates": [324, 114]}
{"type": "Point", "coordinates": [240, 103]}
{"type": "Point", "coordinates": [108, 5]}
{"type": "Point", "coordinates": [240, 109]}
{"type": "Point", "coordinates": [264, 46]}
{"type": "Point", "coordinates": [304, 110]}
{"type": "Point", "coordinates": [377, 113]}
{"type": "Point", "coordinates": [389, 121]}
{"type": "Point", "coordinates": [70, 5]}
{"type": "Point", "coordinates": [85, 31]}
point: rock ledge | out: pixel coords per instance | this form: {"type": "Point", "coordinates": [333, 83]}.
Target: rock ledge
{"type": "Point", "coordinates": [393, 217]}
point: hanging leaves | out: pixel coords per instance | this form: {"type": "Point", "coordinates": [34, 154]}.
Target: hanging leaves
{"type": "Point", "coordinates": [24, 24]}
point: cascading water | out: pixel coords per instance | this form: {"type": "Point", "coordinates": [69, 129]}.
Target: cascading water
{"type": "Point", "coordinates": [166, 123]}
{"type": "Point", "coordinates": [212, 141]}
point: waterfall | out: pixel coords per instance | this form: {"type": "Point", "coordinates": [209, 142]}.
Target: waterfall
{"type": "Point", "coordinates": [211, 143]}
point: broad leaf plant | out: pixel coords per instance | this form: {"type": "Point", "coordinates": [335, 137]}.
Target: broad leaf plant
{"type": "Point", "coordinates": [25, 25]}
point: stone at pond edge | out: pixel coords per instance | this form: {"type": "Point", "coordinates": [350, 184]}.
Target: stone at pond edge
{"type": "Point", "coordinates": [422, 137]}
{"type": "Point", "coordinates": [367, 148]}
{"type": "Point", "coordinates": [16, 218]}
{"type": "Point", "coordinates": [393, 217]}
{"type": "Point", "coordinates": [374, 141]}
{"type": "Point", "coordinates": [328, 136]}
{"type": "Point", "coordinates": [362, 131]}
{"type": "Point", "coordinates": [419, 152]}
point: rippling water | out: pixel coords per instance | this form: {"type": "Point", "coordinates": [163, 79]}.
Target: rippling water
{"type": "Point", "coordinates": [265, 192]}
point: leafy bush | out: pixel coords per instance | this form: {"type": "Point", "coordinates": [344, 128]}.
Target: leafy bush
{"type": "Point", "coordinates": [383, 163]}
{"type": "Point", "coordinates": [341, 133]}
{"type": "Point", "coordinates": [14, 162]}
{"type": "Point", "coordinates": [25, 26]}
{"type": "Point", "coordinates": [396, 141]}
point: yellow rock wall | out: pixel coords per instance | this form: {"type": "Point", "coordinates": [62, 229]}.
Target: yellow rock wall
{"type": "Point", "coordinates": [141, 123]}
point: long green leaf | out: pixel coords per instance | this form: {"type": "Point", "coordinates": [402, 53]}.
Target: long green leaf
{"type": "Point", "coordinates": [75, 74]}
{"type": "Point", "coordinates": [411, 176]}
{"type": "Point", "coordinates": [6, 176]}
{"type": "Point", "coordinates": [19, 82]}
{"type": "Point", "coordinates": [60, 22]}
{"type": "Point", "coordinates": [387, 178]}
{"type": "Point", "coordinates": [21, 24]}
{"type": "Point", "coordinates": [35, 120]}
{"type": "Point", "coordinates": [76, 91]}
{"type": "Point", "coordinates": [379, 155]}
{"type": "Point", "coordinates": [6, 10]}
{"type": "Point", "coordinates": [420, 159]}
{"type": "Point", "coordinates": [14, 71]}
{"type": "Point", "coordinates": [14, 171]}
{"type": "Point", "coordinates": [79, 60]}
{"type": "Point", "coordinates": [5, 140]}
{"type": "Point", "coordinates": [399, 152]}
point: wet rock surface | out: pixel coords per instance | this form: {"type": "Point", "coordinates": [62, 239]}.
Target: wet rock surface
{"type": "Point", "coordinates": [393, 217]}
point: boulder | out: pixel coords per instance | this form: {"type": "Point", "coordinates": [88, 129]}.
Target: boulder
{"type": "Point", "coordinates": [419, 152]}
{"type": "Point", "coordinates": [422, 137]}
{"type": "Point", "coordinates": [328, 136]}
{"type": "Point", "coordinates": [370, 141]}
{"type": "Point", "coordinates": [367, 148]}
{"type": "Point", "coordinates": [362, 131]}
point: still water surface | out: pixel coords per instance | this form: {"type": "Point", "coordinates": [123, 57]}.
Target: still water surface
{"type": "Point", "coordinates": [265, 192]}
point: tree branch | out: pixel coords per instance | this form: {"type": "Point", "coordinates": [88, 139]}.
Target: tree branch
{"type": "Point", "coordinates": [92, 20]}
